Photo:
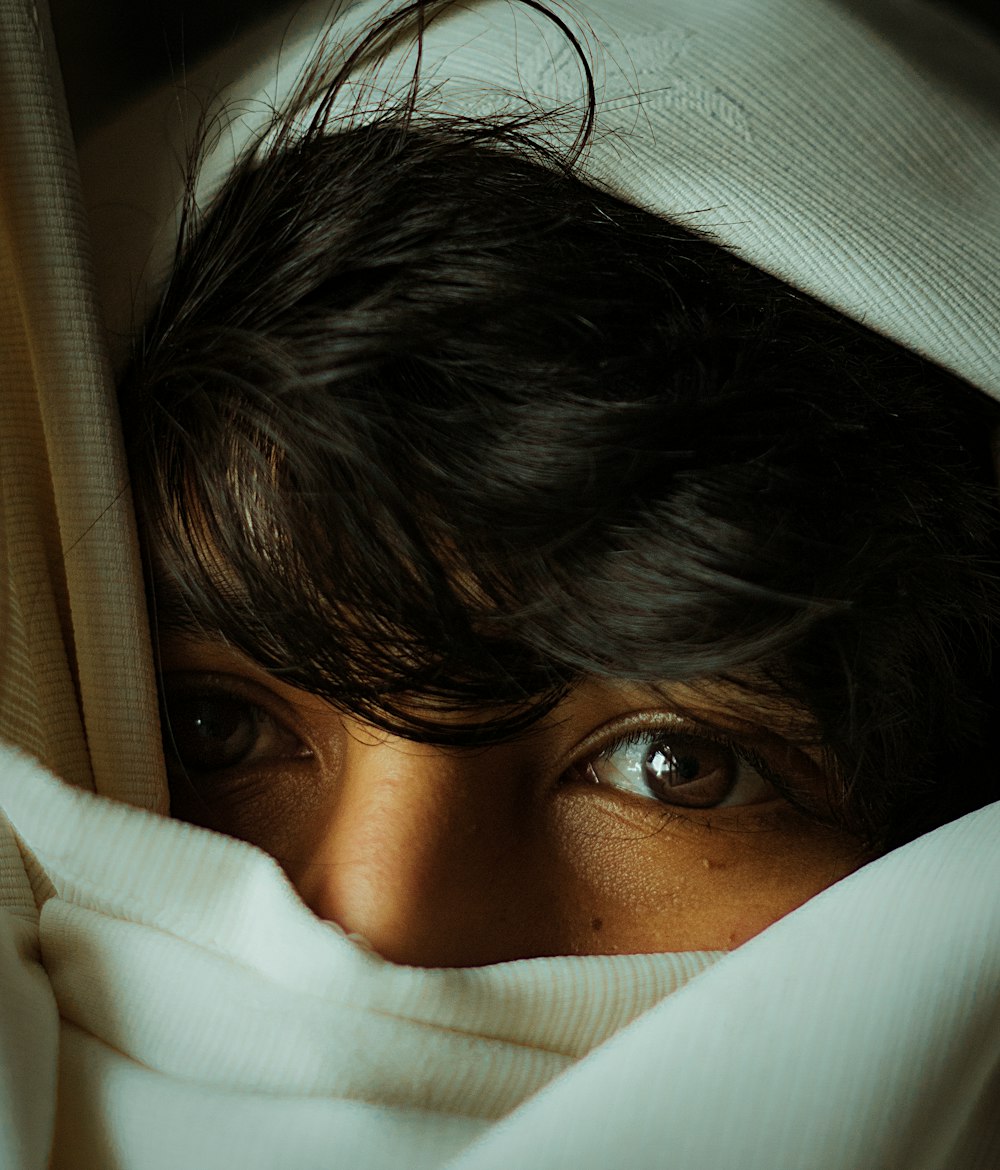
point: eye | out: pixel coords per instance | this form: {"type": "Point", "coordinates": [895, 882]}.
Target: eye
{"type": "Point", "coordinates": [681, 768]}
{"type": "Point", "coordinates": [212, 726]}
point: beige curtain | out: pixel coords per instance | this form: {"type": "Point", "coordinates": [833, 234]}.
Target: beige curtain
{"type": "Point", "coordinates": [76, 685]}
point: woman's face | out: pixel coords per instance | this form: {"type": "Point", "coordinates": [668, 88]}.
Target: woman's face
{"type": "Point", "coordinates": [615, 825]}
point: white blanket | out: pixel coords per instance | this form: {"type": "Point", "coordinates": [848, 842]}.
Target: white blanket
{"type": "Point", "coordinates": [165, 998]}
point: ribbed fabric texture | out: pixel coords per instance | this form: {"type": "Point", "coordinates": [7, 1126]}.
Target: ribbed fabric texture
{"type": "Point", "coordinates": [183, 958]}
{"type": "Point", "coordinates": [173, 1003]}
{"type": "Point", "coordinates": [864, 1029]}
{"type": "Point", "coordinates": [861, 1031]}
{"type": "Point", "coordinates": [852, 149]}
{"type": "Point", "coordinates": [75, 680]}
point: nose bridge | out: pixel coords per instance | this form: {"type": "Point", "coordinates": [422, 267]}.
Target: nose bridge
{"type": "Point", "coordinates": [418, 849]}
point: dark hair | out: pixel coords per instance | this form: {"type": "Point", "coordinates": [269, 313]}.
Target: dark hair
{"type": "Point", "coordinates": [424, 422]}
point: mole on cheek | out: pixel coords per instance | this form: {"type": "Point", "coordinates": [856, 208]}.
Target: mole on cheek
{"type": "Point", "coordinates": [596, 924]}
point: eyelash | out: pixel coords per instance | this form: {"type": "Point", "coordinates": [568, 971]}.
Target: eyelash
{"type": "Point", "coordinates": [636, 735]}
{"type": "Point", "coordinates": [174, 689]}
{"type": "Point", "coordinates": [631, 732]}
{"type": "Point", "coordinates": [749, 779]}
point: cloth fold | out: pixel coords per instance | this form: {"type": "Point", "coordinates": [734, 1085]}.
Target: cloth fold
{"type": "Point", "coordinates": [851, 149]}
{"type": "Point", "coordinates": [863, 1029]}
{"type": "Point", "coordinates": [76, 681]}
{"type": "Point", "coordinates": [166, 998]}
{"type": "Point", "coordinates": [181, 956]}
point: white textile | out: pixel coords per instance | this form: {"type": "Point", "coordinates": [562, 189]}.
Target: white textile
{"type": "Point", "coordinates": [165, 998]}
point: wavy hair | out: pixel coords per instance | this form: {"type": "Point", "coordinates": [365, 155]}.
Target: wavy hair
{"type": "Point", "coordinates": [425, 422]}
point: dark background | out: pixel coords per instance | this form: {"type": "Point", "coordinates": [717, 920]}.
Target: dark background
{"type": "Point", "coordinates": [114, 49]}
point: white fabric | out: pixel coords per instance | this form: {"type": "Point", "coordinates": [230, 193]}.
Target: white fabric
{"type": "Point", "coordinates": [189, 1008]}
{"type": "Point", "coordinates": [184, 965]}
{"type": "Point", "coordinates": [850, 148]}
{"type": "Point", "coordinates": [861, 1031]}
{"type": "Point", "coordinates": [209, 1020]}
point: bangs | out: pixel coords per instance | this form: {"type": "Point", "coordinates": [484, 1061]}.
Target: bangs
{"type": "Point", "coordinates": [471, 446]}
{"type": "Point", "coordinates": [427, 426]}
{"type": "Point", "coordinates": [412, 567]}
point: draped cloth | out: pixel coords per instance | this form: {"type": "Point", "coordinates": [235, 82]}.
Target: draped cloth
{"type": "Point", "coordinates": [165, 998]}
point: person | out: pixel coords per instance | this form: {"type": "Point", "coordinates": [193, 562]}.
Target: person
{"type": "Point", "coordinates": [540, 583]}
{"type": "Point", "coordinates": [513, 549]}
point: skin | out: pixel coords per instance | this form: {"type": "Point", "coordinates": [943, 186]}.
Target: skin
{"type": "Point", "coordinates": [445, 857]}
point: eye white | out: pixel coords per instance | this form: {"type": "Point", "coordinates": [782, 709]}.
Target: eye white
{"type": "Point", "coordinates": [679, 768]}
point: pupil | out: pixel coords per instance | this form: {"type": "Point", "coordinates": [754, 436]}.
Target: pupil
{"type": "Point", "coordinates": [208, 732]}
{"type": "Point", "coordinates": [688, 771]}
{"type": "Point", "coordinates": [687, 767]}
{"type": "Point", "coordinates": [216, 720]}
{"type": "Point", "coordinates": [670, 768]}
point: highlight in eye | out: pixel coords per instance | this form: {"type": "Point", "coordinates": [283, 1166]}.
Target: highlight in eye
{"type": "Point", "coordinates": [681, 765]}
{"type": "Point", "coordinates": [212, 724]}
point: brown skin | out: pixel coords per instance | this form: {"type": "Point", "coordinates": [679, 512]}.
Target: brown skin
{"type": "Point", "coordinates": [445, 857]}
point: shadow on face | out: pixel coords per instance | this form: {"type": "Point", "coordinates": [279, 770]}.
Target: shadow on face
{"type": "Point", "coordinates": [615, 825]}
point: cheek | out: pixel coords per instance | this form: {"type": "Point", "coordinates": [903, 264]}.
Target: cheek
{"type": "Point", "coordinates": [281, 808]}
{"type": "Point", "coordinates": [573, 870]}
{"type": "Point", "coordinates": [658, 881]}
